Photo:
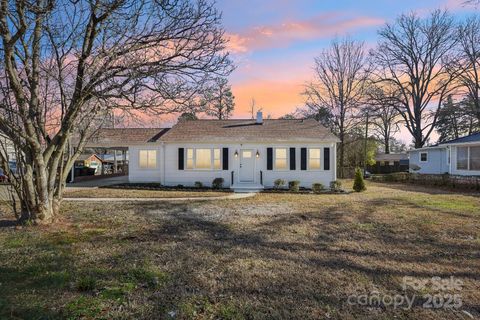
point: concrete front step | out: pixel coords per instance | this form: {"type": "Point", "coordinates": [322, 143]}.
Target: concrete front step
{"type": "Point", "coordinates": [246, 188]}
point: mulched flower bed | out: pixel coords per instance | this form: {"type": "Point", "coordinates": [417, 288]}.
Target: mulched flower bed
{"type": "Point", "coordinates": [303, 191]}
{"type": "Point", "coordinates": [159, 187]}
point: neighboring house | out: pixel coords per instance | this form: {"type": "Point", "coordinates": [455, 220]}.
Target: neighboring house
{"type": "Point", "coordinates": [247, 154]}
{"type": "Point", "coordinates": [7, 148]}
{"type": "Point", "coordinates": [114, 163]}
{"type": "Point", "coordinates": [457, 157]}
{"type": "Point", "coordinates": [91, 161]}
{"type": "Point", "coordinates": [388, 163]}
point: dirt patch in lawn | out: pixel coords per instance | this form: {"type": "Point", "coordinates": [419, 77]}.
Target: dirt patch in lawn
{"type": "Point", "coordinates": [274, 256]}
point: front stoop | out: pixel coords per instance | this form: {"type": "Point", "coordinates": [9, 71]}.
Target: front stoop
{"type": "Point", "coordinates": [246, 187]}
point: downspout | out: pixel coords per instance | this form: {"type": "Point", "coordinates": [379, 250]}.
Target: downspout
{"type": "Point", "coordinates": [334, 166]}
{"type": "Point", "coordinates": [162, 173]}
{"type": "Point", "coordinates": [450, 158]}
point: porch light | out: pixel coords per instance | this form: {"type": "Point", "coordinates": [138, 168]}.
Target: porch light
{"type": "Point", "coordinates": [258, 154]}
{"type": "Point", "coordinates": [236, 154]}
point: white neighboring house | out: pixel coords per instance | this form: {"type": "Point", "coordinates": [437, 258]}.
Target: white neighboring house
{"type": "Point", "coordinates": [457, 157]}
{"type": "Point", "coordinates": [7, 147]}
{"type": "Point", "coordinates": [248, 154]}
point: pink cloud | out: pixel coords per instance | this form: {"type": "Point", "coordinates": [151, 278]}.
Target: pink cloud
{"type": "Point", "coordinates": [281, 35]}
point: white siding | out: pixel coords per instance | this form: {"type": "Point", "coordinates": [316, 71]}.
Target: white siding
{"type": "Point", "coordinates": [137, 174]}
{"type": "Point", "coordinates": [167, 171]}
{"type": "Point", "coordinates": [437, 161]}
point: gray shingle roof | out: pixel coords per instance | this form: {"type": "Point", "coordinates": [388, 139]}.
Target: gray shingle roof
{"type": "Point", "coordinates": [248, 131]}
{"type": "Point", "coordinates": [125, 136]}
{"type": "Point", "coordinates": [391, 156]}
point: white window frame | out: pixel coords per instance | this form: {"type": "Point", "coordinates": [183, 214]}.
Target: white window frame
{"type": "Point", "coordinates": [148, 167]}
{"type": "Point", "coordinates": [212, 159]}
{"type": "Point", "coordinates": [420, 156]}
{"type": "Point", "coordinates": [468, 158]}
{"type": "Point", "coordinates": [287, 158]}
{"type": "Point", "coordinates": [320, 158]}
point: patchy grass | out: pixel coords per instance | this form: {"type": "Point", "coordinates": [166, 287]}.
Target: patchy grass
{"type": "Point", "coordinates": [129, 193]}
{"type": "Point", "coordinates": [272, 256]}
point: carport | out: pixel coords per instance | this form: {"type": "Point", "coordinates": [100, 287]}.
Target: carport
{"type": "Point", "coordinates": [111, 145]}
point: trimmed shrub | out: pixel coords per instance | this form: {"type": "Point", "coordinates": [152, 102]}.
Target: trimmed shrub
{"type": "Point", "coordinates": [359, 182]}
{"type": "Point", "coordinates": [336, 186]}
{"type": "Point", "coordinates": [318, 187]}
{"type": "Point", "coordinates": [217, 183]}
{"type": "Point", "coordinates": [198, 184]}
{"type": "Point", "coordinates": [294, 185]}
{"type": "Point", "coordinates": [279, 183]}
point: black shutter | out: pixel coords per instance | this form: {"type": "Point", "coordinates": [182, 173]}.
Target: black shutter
{"type": "Point", "coordinates": [326, 158]}
{"type": "Point", "coordinates": [181, 158]}
{"type": "Point", "coordinates": [225, 159]}
{"type": "Point", "coordinates": [303, 158]}
{"type": "Point", "coordinates": [292, 159]}
{"type": "Point", "coordinates": [269, 158]}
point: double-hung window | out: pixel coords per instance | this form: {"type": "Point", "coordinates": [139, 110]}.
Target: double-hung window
{"type": "Point", "coordinates": [147, 159]}
{"type": "Point", "coordinates": [314, 156]}
{"type": "Point", "coordinates": [281, 161]}
{"type": "Point", "coordinates": [204, 159]}
{"type": "Point", "coordinates": [468, 158]}
{"type": "Point", "coordinates": [423, 156]}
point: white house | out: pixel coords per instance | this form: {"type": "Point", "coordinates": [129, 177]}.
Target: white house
{"type": "Point", "coordinates": [247, 154]}
{"type": "Point", "coordinates": [457, 157]}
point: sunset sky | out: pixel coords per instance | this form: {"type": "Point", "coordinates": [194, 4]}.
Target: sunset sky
{"type": "Point", "coordinates": [274, 42]}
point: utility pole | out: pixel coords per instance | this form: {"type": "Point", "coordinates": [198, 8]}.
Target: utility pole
{"type": "Point", "coordinates": [365, 148]}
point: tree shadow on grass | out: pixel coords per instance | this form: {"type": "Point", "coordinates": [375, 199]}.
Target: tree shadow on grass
{"type": "Point", "coordinates": [204, 244]}
{"type": "Point", "coordinates": [267, 263]}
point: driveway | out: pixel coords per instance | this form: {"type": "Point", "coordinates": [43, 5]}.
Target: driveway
{"type": "Point", "coordinates": [99, 182]}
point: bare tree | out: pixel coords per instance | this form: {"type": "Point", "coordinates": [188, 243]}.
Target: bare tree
{"type": "Point", "coordinates": [218, 100]}
{"type": "Point", "coordinates": [341, 73]}
{"type": "Point", "coordinates": [385, 118]}
{"type": "Point", "coordinates": [414, 57]}
{"type": "Point", "coordinates": [66, 61]}
{"type": "Point", "coordinates": [469, 61]}
{"type": "Point", "coordinates": [472, 2]}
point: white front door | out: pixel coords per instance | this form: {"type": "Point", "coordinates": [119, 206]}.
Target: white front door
{"type": "Point", "coordinates": [247, 165]}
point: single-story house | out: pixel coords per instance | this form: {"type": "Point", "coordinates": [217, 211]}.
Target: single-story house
{"type": "Point", "coordinates": [89, 161]}
{"type": "Point", "coordinates": [389, 162]}
{"type": "Point", "coordinates": [456, 157]}
{"type": "Point", "coordinates": [247, 154]}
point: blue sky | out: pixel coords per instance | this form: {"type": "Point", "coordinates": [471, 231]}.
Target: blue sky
{"type": "Point", "coordinates": [274, 42]}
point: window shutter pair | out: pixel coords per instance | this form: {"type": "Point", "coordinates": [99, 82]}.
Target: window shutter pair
{"type": "Point", "coordinates": [181, 158]}
{"type": "Point", "coordinates": [326, 158]}
{"type": "Point", "coordinates": [270, 159]}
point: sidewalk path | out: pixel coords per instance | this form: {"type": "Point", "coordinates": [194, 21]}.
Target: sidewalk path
{"type": "Point", "coordinates": [229, 197]}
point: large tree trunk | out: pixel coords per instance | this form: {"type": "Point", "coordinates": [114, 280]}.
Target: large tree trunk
{"type": "Point", "coordinates": [342, 155]}
{"type": "Point", "coordinates": [387, 144]}
{"type": "Point", "coordinates": [39, 204]}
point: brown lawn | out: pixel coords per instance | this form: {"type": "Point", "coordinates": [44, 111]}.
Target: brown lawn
{"type": "Point", "coordinates": [268, 257]}
{"type": "Point", "coordinates": [134, 193]}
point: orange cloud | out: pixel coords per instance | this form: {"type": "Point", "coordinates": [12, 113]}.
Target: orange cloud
{"type": "Point", "coordinates": [323, 26]}
{"type": "Point", "coordinates": [275, 98]}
